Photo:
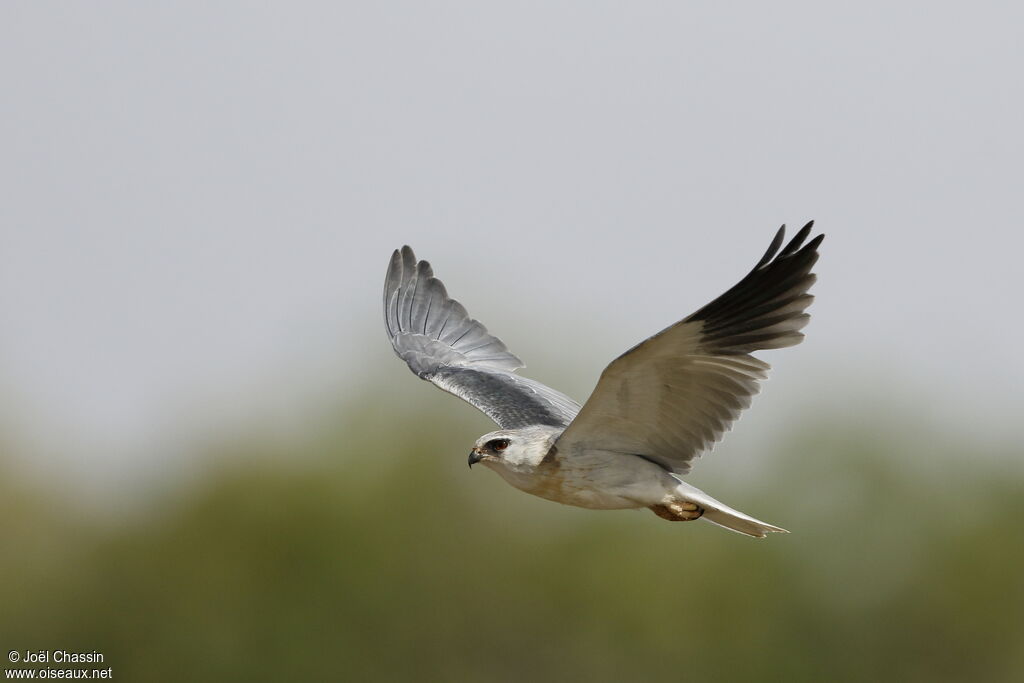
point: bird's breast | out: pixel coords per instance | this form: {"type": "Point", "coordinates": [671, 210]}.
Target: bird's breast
{"type": "Point", "coordinates": [595, 483]}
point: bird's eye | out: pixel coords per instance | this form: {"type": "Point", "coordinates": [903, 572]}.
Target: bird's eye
{"type": "Point", "coordinates": [498, 444]}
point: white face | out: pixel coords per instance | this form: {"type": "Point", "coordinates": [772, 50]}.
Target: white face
{"type": "Point", "coordinates": [513, 450]}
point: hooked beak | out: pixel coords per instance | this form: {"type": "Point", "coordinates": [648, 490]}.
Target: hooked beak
{"type": "Point", "coordinates": [475, 456]}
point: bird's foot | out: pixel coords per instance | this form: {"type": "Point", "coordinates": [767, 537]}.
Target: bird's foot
{"type": "Point", "coordinates": [683, 511]}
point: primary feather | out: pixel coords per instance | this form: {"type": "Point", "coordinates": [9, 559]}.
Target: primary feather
{"type": "Point", "coordinates": [438, 340]}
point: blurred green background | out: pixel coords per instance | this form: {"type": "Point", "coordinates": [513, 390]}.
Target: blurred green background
{"type": "Point", "coordinates": [369, 552]}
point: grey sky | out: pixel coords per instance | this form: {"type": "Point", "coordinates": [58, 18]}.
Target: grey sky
{"type": "Point", "coordinates": [199, 199]}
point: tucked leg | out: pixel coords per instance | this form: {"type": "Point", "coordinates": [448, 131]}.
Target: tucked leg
{"type": "Point", "coordinates": [683, 511]}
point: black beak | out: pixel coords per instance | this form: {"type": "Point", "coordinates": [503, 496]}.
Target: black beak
{"type": "Point", "coordinates": [475, 456]}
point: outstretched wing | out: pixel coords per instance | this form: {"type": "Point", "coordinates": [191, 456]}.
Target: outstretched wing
{"type": "Point", "coordinates": [673, 396]}
{"type": "Point", "coordinates": [435, 336]}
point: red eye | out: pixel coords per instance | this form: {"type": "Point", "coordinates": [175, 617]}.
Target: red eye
{"type": "Point", "coordinates": [498, 444]}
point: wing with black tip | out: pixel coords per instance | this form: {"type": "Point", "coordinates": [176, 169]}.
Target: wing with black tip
{"type": "Point", "coordinates": [673, 396]}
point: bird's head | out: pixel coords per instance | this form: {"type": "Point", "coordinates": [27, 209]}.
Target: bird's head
{"type": "Point", "coordinates": [516, 450]}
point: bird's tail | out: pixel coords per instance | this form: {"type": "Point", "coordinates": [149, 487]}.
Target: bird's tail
{"type": "Point", "coordinates": [721, 514]}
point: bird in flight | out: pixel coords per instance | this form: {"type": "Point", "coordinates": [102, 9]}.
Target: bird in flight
{"type": "Point", "coordinates": [655, 409]}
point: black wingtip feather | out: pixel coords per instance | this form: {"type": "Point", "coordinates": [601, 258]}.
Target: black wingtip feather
{"type": "Point", "coordinates": [797, 240]}
{"type": "Point", "coordinates": [731, 322]}
{"type": "Point", "coordinates": [773, 247]}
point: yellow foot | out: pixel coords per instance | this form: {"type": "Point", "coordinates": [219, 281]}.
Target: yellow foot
{"type": "Point", "coordinates": [678, 512]}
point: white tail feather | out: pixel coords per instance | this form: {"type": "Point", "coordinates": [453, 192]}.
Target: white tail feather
{"type": "Point", "coordinates": [721, 514]}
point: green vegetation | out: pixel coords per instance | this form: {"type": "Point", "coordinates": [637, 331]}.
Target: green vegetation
{"type": "Point", "coordinates": [330, 560]}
